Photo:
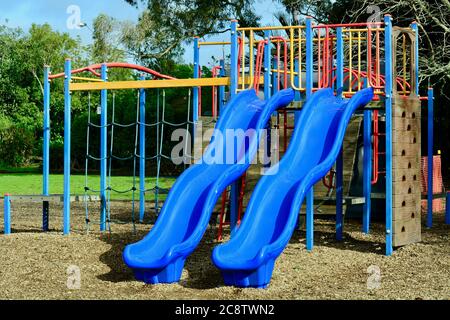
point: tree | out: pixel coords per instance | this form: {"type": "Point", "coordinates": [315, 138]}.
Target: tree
{"type": "Point", "coordinates": [165, 24]}
{"type": "Point", "coordinates": [433, 18]}
{"type": "Point", "coordinates": [296, 10]}
{"type": "Point", "coordinates": [151, 44]}
{"type": "Point", "coordinates": [22, 59]}
{"type": "Point", "coordinates": [106, 38]}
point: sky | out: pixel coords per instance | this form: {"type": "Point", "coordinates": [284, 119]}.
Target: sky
{"type": "Point", "coordinates": [64, 15]}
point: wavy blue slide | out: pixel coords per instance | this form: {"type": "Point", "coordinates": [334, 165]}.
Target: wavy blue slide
{"type": "Point", "coordinates": [248, 259]}
{"type": "Point", "coordinates": [160, 256]}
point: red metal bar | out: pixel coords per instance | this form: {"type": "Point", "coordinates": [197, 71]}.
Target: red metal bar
{"type": "Point", "coordinates": [369, 61]}
{"type": "Point", "coordinates": [124, 65]}
{"type": "Point", "coordinates": [319, 62]}
{"type": "Point", "coordinates": [285, 59]}
{"type": "Point", "coordinates": [331, 60]}
{"type": "Point", "coordinates": [278, 66]}
{"type": "Point", "coordinates": [221, 216]}
{"type": "Point", "coordinates": [327, 54]}
{"type": "Point", "coordinates": [241, 198]}
{"type": "Point", "coordinates": [258, 65]}
{"type": "Point", "coordinates": [363, 74]}
{"type": "Point", "coordinates": [375, 147]}
{"type": "Point", "coordinates": [378, 58]}
{"type": "Point", "coordinates": [241, 50]}
{"type": "Point", "coordinates": [361, 24]}
{"type": "Point", "coordinates": [328, 180]}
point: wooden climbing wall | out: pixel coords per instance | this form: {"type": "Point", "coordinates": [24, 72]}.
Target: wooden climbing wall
{"type": "Point", "coordinates": [406, 144]}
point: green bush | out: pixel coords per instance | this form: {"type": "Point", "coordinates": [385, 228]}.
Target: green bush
{"type": "Point", "coordinates": [16, 143]}
{"type": "Point", "coordinates": [57, 154]}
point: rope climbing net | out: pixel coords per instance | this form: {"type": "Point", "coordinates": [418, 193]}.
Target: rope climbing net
{"type": "Point", "coordinates": [136, 154]}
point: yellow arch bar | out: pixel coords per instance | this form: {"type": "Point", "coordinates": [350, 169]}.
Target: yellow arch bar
{"type": "Point", "coordinates": [86, 79]}
{"type": "Point", "coordinates": [149, 84]}
{"type": "Point", "coordinates": [154, 84]}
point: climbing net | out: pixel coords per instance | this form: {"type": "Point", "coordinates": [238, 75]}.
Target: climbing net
{"type": "Point", "coordinates": [160, 126]}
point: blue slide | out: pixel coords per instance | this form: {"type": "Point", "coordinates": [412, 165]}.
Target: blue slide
{"type": "Point", "coordinates": [248, 259]}
{"type": "Point", "coordinates": [160, 256]}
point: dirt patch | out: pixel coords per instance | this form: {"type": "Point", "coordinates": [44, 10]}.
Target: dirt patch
{"type": "Point", "coordinates": [34, 265]}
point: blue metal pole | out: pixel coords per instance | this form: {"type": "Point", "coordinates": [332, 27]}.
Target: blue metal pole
{"type": "Point", "coordinates": [430, 138]}
{"type": "Point", "coordinates": [273, 87]}
{"type": "Point", "coordinates": [340, 159]}
{"type": "Point", "coordinates": [339, 195]}
{"type": "Point", "coordinates": [195, 92]}
{"type": "Point", "coordinates": [7, 214]}
{"type": "Point", "coordinates": [447, 208]}
{"type": "Point", "coordinates": [309, 87]}
{"type": "Point", "coordinates": [367, 167]}
{"type": "Point", "coordinates": [298, 96]}
{"type": "Point", "coordinates": [367, 170]}
{"type": "Point", "coordinates": [388, 106]}
{"type": "Point", "coordinates": [46, 144]}
{"type": "Point", "coordinates": [234, 193]}
{"type": "Point", "coordinates": [340, 58]}
{"type": "Point", "coordinates": [267, 65]}
{"type": "Point", "coordinates": [221, 88]}
{"type": "Point", "coordinates": [46, 149]}
{"type": "Point", "coordinates": [234, 72]}
{"type": "Point", "coordinates": [103, 148]}
{"type": "Point", "coordinates": [67, 143]}
{"type": "Point", "coordinates": [275, 75]}
{"type": "Point", "coordinates": [142, 153]}
{"type": "Point", "coordinates": [416, 57]}
{"type": "Point", "coordinates": [309, 58]}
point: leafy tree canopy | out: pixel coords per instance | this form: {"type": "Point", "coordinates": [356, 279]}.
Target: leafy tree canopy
{"type": "Point", "coordinates": [166, 24]}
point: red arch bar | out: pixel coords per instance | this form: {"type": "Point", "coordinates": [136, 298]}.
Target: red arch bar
{"type": "Point", "coordinates": [92, 69]}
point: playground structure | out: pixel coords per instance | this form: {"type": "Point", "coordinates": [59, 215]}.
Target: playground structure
{"type": "Point", "coordinates": [313, 57]}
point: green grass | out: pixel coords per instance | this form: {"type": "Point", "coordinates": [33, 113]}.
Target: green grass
{"type": "Point", "coordinates": [28, 169]}
{"type": "Point", "coordinates": [30, 184]}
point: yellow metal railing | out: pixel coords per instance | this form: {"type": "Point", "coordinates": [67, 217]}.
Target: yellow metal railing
{"type": "Point", "coordinates": [295, 53]}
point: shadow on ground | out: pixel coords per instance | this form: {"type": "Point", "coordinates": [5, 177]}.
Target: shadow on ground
{"type": "Point", "coordinates": [201, 272]}
{"type": "Point", "coordinates": [113, 258]}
